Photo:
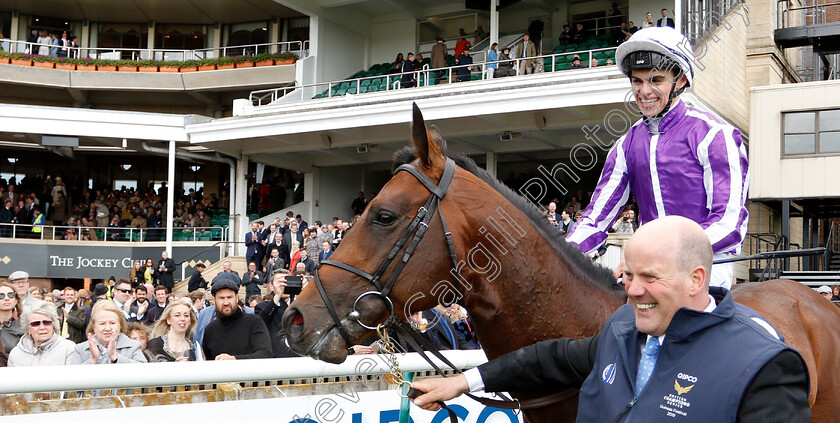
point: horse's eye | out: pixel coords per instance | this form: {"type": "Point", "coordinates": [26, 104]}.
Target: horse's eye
{"type": "Point", "coordinates": [384, 218]}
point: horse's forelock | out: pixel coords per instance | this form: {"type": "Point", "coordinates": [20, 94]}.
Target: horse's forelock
{"type": "Point", "coordinates": [403, 156]}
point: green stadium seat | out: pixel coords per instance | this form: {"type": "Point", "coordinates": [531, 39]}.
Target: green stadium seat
{"type": "Point", "coordinates": [602, 62]}
{"type": "Point", "coordinates": [563, 66]}
{"type": "Point", "coordinates": [599, 55]}
{"type": "Point", "coordinates": [365, 82]}
{"type": "Point", "coordinates": [373, 88]}
{"type": "Point", "coordinates": [253, 216]}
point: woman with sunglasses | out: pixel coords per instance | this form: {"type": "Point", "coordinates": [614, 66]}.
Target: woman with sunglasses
{"type": "Point", "coordinates": [10, 310]}
{"type": "Point", "coordinates": [41, 345]}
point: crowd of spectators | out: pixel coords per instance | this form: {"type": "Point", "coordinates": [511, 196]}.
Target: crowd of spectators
{"type": "Point", "coordinates": [43, 200]}
{"type": "Point", "coordinates": [51, 43]}
{"type": "Point", "coordinates": [131, 321]}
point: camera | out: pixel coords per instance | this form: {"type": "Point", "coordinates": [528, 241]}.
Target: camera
{"type": "Point", "coordinates": [294, 284]}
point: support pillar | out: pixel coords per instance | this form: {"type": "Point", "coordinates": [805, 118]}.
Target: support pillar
{"type": "Point", "coordinates": [494, 22]}
{"type": "Point", "coordinates": [786, 231]}
{"type": "Point", "coordinates": [150, 41]}
{"type": "Point", "coordinates": [311, 191]}
{"type": "Point", "coordinates": [491, 166]}
{"type": "Point", "coordinates": [806, 241]}
{"type": "Point", "coordinates": [241, 203]}
{"type": "Point", "coordinates": [170, 197]}
{"type": "Point", "coordinates": [14, 28]}
{"type": "Point", "coordinates": [273, 34]}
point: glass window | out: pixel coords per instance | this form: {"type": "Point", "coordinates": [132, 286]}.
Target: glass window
{"type": "Point", "coordinates": [120, 183]}
{"type": "Point", "coordinates": [194, 185]}
{"type": "Point", "coordinates": [799, 144]}
{"type": "Point", "coordinates": [798, 123]}
{"type": "Point", "coordinates": [830, 120]}
{"type": "Point", "coordinates": [829, 141]}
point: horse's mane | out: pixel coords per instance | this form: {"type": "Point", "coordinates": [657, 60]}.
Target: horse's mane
{"type": "Point", "coordinates": [578, 262]}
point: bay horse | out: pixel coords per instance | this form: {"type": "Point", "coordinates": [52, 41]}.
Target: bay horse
{"type": "Point", "coordinates": [497, 255]}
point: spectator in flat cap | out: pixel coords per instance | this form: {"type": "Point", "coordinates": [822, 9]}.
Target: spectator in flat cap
{"type": "Point", "coordinates": [196, 281]}
{"type": "Point", "coordinates": [20, 281]}
{"type": "Point", "coordinates": [825, 291]}
{"type": "Point", "coordinates": [234, 335]}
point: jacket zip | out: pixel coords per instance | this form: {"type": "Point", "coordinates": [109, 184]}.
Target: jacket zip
{"type": "Point", "coordinates": [626, 409]}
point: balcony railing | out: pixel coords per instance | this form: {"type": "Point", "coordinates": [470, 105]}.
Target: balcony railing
{"type": "Point", "coordinates": [111, 234]}
{"type": "Point", "coordinates": [701, 17]}
{"type": "Point", "coordinates": [301, 48]}
{"type": "Point", "coordinates": [810, 15]}
{"type": "Point", "coordinates": [426, 77]}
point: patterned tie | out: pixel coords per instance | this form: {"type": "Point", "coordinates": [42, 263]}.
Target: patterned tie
{"type": "Point", "coordinates": [649, 355]}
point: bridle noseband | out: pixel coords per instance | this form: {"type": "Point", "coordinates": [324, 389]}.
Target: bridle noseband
{"type": "Point", "coordinates": [417, 228]}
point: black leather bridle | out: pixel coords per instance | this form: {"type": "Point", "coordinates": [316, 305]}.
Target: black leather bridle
{"type": "Point", "coordinates": [417, 228]}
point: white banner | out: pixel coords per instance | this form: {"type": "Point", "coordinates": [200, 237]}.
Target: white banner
{"type": "Point", "coordinates": [359, 407]}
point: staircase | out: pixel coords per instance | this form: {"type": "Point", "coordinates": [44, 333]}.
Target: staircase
{"type": "Point", "coordinates": [237, 265]}
{"type": "Point", "coordinates": [814, 278]}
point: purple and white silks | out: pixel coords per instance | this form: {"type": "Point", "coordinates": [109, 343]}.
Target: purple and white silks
{"type": "Point", "coordinates": [696, 167]}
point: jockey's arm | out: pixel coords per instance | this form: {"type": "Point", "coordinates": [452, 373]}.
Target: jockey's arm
{"type": "Point", "coordinates": [726, 179]}
{"type": "Point", "coordinates": [610, 195]}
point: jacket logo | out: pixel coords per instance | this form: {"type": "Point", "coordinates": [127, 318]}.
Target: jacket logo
{"type": "Point", "coordinates": [608, 375]}
{"type": "Point", "coordinates": [680, 390]}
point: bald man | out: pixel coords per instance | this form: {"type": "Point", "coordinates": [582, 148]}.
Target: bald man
{"type": "Point", "coordinates": [679, 349]}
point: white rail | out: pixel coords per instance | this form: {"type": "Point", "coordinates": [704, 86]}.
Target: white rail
{"type": "Point", "coordinates": [449, 74]}
{"type": "Point", "coordinates": [301, 48]}
{"type": "Point", "coordinates": [19, 380]}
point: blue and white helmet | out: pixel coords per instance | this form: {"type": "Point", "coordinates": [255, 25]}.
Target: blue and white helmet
{"type": "Point", "coordinates": [656, 48]}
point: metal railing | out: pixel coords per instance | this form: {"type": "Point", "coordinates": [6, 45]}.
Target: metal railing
{"type": "Point", "coordinates": [110, 233]}
{"type": "Point", "coordinates": [763, 243]}
{"type": "Point", "coordinates": [701, 17]}
{"type": "Point", "coordinates": [301, 48]}
{"type": "Point", "coordinates": [832, 245]}
{"type": "Point", "coordinates": [394, 81]}
{"type": "Point", "coordinates": [813, 14]}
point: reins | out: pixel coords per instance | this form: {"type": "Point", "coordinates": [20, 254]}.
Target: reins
{"type": "Point", "coordinates": [415, 232]}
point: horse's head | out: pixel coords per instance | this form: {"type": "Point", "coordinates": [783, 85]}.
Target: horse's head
{"type": "Point", "coordinates": [392, 219]}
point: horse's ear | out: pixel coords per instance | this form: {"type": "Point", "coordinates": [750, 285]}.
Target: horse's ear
{"type": "Point", "coordinates": [427, 149]}
{"type": "Point", "coordinates": [437, 136]}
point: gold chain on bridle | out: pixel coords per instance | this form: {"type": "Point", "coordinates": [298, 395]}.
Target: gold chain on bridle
{"type": "Point", "coordinates": [388, 348]}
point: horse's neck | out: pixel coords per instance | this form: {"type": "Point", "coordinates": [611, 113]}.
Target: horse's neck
{"type": "Point", "coordinates": [535, 295]}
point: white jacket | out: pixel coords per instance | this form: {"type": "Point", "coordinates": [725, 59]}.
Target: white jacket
{"type": "Point", "coordinates": [56, 351]}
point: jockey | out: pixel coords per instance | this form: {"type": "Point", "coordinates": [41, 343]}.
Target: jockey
{"type": "Point", "coordinates": [675, 160]}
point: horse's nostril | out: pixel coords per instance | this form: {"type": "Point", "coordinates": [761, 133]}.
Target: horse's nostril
{"type": "Point", "coordinates": [297, 319]}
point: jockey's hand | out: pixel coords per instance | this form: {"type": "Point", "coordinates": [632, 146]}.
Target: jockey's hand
{"type": "Point", "coordinates": [439, 389]}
